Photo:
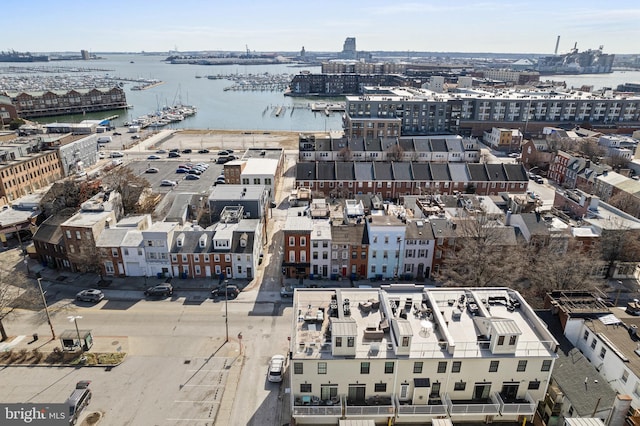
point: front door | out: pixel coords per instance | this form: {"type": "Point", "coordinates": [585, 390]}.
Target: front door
{"type": "Point", "coordinates": [420, 273]}
{"type": "Point", "coordinates": [404, 392]}
{"type": "Point", "coordinates": [249, 272]}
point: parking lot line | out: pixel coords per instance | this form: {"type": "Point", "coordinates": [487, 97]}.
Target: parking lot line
{"type": "Point", "coordinates": [210, 386]}
{"type": "Point", "coordinates": [198, 402]}
{"type": "Point", "coordinates": [190, 420]}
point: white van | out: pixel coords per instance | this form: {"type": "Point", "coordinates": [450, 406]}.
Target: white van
{"type": "Point", "coordinates": [80, 398]}
{"type": "Point", "coordinates": [104, 139]}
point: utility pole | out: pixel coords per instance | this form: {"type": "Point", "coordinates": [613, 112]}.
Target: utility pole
{"type": "Point", "coordinates": [226, 312]}
{"type": "Point", "coordinates": [46, 309]}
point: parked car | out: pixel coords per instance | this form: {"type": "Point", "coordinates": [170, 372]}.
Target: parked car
{"type": "Point", "coordinates": [205, 165]}
{"type": "Point", "coordinates": [117, 133]}
{"type": "Point", "coordinates": [187, 151]}
{"type": "Point", "coordinates": [191, 177]}
{"type": "Point", "coordinates": [181, 170]}
{"type": "Point", "coordinates": [116, 154]}
{"type": "Point", "coordinates": [167, 182]}
{"type": "Point", "coordinates": [276, 368]}
{"type": "Point", "coordinates": [174, 155]}
{"type": "Point", "coordinates": [222, 160]}
{"type": "Point", "coordinates": [184, 166]}
{"type": "Point", "coordinates": [161, 151]}
{"type": "Point", "coordinates": [286, 292]}
{"type": "Point", "coordinates": [538, 179]}
{"type": "Point", "coordinates": [153, 157]}
{"type": "Point", "coordinates": [134, 137]}
{"type": "Point", "coordinates": [232, 291]}
{"type": "Point", "coordinates": [151, 170]}
{"type": "Point", "coordinates": [194, 172]}
{"type": "Point", "coordinates": [174, 150]}
{"type": "Point", "coordinates": [203, 151]}
{"type": "Point", "coordinates": [223, 152]}
{"type": "Point", "coordinates": [230, 151]}
{"type": "Point", "coordinates": [102, 155]}
{"type": "Point", "coordinates": [90, 295]}
{"type": "Point", "coordinates": [160, 290]}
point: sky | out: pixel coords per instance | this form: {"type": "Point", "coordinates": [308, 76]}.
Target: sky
{"type": "Point", "coordinates": [509, 26]}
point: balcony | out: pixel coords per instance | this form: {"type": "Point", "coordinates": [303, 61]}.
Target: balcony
{"type": "Point", "coordinates": [526, 406]}
{"type": "Point", "coordinates": [312, 406]}
{"type": "Point", "coordinates": [376, 406]}
{"type": "Point", "coordinates": [435, 407]}
{"type": "Point", "coordinates": [488, 406]}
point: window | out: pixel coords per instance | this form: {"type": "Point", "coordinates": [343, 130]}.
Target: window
{"type": "Point", "coordinates": [500, 340]}
{"type": "Point", "coordinates": [594, 342]}
{"type": "Point", "coordinates": [305, 387]}
{"type": "Point", "coordinates": [512, 340]}
{"type": "Point", "coordinates": [338, 342]}
{"type": "Point", "coordinates": [114, 252]}
{"type": "Point", "coordinates": [586, 335]}
{"type": "Point", "coordinates": [546, 365]}
{"type": "Point", "coordinates": [442, 367]}
{"type": "Point", "coordinates": [292, 241]}
{"type": "Point", "coordinates": [493, 366]}
{"type": "Point", "coordinates": [388, 367]}
{"type": "Point", "coordinates": [303, 241]}
{"type": "Point", "coordinates": [351, 342]}
{"type": "Point", "coordinates": [625, 376]}
{"type": "Point", "coordinates": [534, 385]}
{"type": "Point", "coordinates": [459, 386]}
{"type": "Point", "coordinates": [522, 365]}
{"type": "Point", "coordinates": [297, 368]}
{"type": "Point", "coordinates": [405, 341]}
{"type": "Point", "coordinates": [364, 367]}
{"type": "Point", "coordinates": [380, 387]}
{"type": "Point", "coordinates": [417, 367]}
{"type": "Point", "coordinates": [68, 233]}
{"type": "Point", "coordinates": [455, 367]}
{"type": "Point", "coordinates": [78, 235]}
{"type": "Point", "coordinates": [603, 352]}
{"type": "Point", "coordinates": [322, 368]}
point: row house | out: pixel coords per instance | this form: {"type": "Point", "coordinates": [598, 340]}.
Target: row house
{"type": "Point", "coordinates": [191, 254]}
{"type": "Point", "coordinates": [156, 240]}
{"type": "Point", "coordinates": [115, 248]}
{"type": "Point", "coordinates": [558, 167]}
{"type": "Point", "coordinates": [246, 247]}
{"type": "Point", "coordinates": [405, 354]}
{"type": "Point", "coordinates": [419, 250]}
{"type": "Point", "coordinates": [296, 260]}
{"type": "Point", "coordinates": [349, 250]}
{"type": "Point", "coordinates": [82, 230]}
{"type": "Point", "coordinates": [536, 153]}
{"type": "Point", "coordinates": [395, 180]}
{"type": "Point", "coordinates": [610, 184]}
{"type": "Point", "coordinates": [254, 199]}
{"type": "Point", "coordinates": [386, 233]}
{"type": "Point", "coordinates": [321, 238]}
{"type": "Point", "coordinates": [49, 241]}
{"type": "Point", "coordinates": [445, 148]}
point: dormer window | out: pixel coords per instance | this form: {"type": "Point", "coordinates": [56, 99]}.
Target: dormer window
{"type": "Point", "coordinates": [180, 240]}
{"type": "Point", "coordinates": [202, 242]}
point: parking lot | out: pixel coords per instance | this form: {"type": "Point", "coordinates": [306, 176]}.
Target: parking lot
{"type": "Point", "coordinates": [167, 171]}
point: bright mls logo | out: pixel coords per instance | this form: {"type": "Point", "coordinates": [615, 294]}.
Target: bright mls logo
{"type": "Point", "coordinates": [33, 414]}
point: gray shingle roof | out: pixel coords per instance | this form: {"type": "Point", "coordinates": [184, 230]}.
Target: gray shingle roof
{"type": "Point", "coordinates": [306, 171]}
{"type": "Point", "coordinates": [421, 171]}
{"type": "Point", "coordinates": [344, 171]}
{"type": "Point", "coordinates": [326, 171]}
{"type": "Point", "coordinates": [515, 172]}
{"type": "Point", "coordinates": [382, 171]}
{"type": "Point", "coordinates": [363, 171]}
{"type": "Point", "coordinates": [496, 172]}
{"type": "Point", "coordinates": [440, 172]}
{"type": "Point", "coordinates": [402, 171]}
{"type": "Point", "coordinates": [478, 172]}
{"type": "Point", "coordinates": [438, 145]}
{"type": "Point", "coordinates": [459, 172]}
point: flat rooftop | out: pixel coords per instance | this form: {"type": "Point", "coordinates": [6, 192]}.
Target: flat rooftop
{"type": "Point", "coordinates": [442, 322]}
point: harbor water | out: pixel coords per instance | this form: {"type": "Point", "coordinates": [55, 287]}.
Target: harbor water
{"type": "Point", "coordinates": [217, 108]}
{"type": "Point", "coordinates": [246, 110]}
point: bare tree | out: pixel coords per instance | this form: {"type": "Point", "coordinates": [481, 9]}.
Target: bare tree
{"type": "Point", "coordinates": [345, 153]}
{"type": "Point", "coordinates": [129, 185]}
{"type": "Point", "coordinates": [590, 149]}
{"type": "Point", "coordinates": [485, 254]}
{"type": "Point", "coordinates": [626, 202]}
{"type": "Point", "coordinates": [558, 267]}
{"type": "Point", "coordinates": [14, 293]}
{"type": "Point", "coordinates": [619, 244]}
{"type": "Point", "coordinates": [395, 153]}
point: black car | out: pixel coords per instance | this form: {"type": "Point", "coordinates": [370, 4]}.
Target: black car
{"type": "Point", "coordinates": [222, 160]}
{"type": "Point", "coordinates": [174, 150]}
{"type": "Point", "coordinates": [173, 155]}
{"type": "Point", "coordinates": [232, 291]}
{"type": "Point", "coordinates": [187, 151]}
{"type": "Point", "coordinates": [160, 290]}
{"type": "Point", "coordinates": [117, 133]}
{"type": "Point", "coordinates": [203, 151]}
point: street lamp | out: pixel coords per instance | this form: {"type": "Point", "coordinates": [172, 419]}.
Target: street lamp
{"type": "Point", "coordinates": [46, 308]}
{"type": "Point", "coordinates": [74, 319]}
{"type": "Point", "coordinates": [226, 312]}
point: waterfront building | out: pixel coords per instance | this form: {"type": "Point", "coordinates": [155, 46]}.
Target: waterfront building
{"type": "Point", "coordinates": [30, 104]}
{"type": "Point", "coordinates": [380, 111]}
{"type": "Point", "coordinates": [405, 354]}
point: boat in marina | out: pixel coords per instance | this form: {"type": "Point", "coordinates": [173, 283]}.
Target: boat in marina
{"type": "Point", "coordinates": [163, 117]}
